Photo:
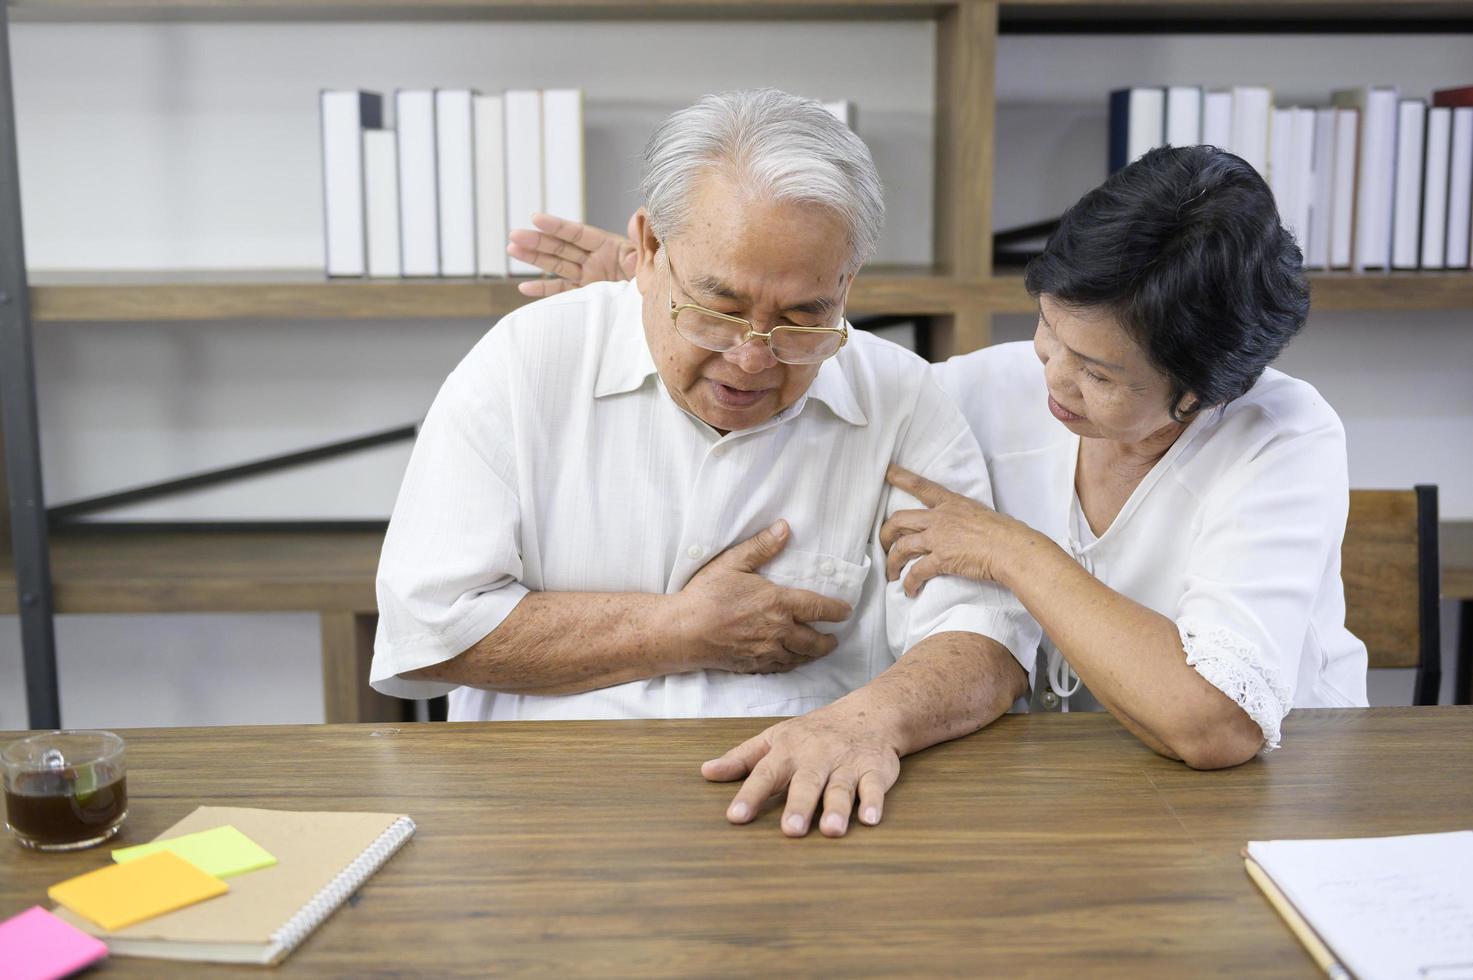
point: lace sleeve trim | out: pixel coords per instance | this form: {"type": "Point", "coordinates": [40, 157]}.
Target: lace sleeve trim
{"type": "Point", "coordinates": [1231, 664]}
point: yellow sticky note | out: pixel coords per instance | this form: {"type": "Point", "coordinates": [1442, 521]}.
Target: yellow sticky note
{"type": "Point", "coordinates": [222, 852]}
{"type": "Point", "coordinates": [120, 895]}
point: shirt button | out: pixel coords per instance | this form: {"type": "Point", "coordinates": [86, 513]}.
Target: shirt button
{"type": "Point", "coordinates": [695, 551]}
{"type": "Point", "coordinates": [718, 451]}
{"type": "Point", "coordinates": [827, 568]}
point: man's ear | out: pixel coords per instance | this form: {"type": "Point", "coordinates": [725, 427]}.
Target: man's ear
{"type": "Point", "coordinates": [646, 247]}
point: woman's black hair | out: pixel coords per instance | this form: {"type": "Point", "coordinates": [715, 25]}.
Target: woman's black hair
{"type": "Point", "coordinates": [1185, 249]}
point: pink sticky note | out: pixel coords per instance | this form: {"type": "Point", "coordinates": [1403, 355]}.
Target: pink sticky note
{"type": "Point", "coordinates": [36, 945]}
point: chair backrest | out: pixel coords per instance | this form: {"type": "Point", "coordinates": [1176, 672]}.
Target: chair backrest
{"type": "Point", "coordinates": [1390, 570]}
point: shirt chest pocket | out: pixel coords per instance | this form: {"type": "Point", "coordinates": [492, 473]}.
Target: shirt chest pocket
{"type": "Point", "coordinates": [827, 575]}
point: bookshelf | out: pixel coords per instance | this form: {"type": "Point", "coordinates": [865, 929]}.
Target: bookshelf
{"type": "Point", "coordinates": [331, 572]}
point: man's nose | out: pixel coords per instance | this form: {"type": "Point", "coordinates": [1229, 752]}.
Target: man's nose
{"type": "Point", "coordinates": [753, 357]}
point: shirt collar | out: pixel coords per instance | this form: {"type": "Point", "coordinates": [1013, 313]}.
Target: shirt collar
{"type": "Point", "coordinates": [627, 364]}
{"type": "Point", "coordinates": [831, 386]}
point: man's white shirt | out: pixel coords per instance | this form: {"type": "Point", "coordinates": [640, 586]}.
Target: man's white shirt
{"type": "Point", "coordinates": [554, 460]}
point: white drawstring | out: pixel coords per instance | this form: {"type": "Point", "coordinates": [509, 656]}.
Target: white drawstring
{"type": "Point", "coordinates": [1061, 678]}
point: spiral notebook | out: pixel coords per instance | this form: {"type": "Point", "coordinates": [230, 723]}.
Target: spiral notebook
{"type": "Point", "coordinates": [322, 859]}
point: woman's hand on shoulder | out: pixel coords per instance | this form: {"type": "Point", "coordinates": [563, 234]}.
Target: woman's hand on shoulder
{"type": "Point", "coordinates": [953, 535]}
{"type": "Point", "coordinates": [577, 254]}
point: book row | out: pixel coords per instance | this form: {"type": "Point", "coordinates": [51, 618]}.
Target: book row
{"type": "Point", "coordinates": [1372, 180]}
{"type": "Point", "coordinates": [436, 194]}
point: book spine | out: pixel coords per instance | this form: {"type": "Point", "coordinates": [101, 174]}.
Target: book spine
{"type": "Point", "coordinates": [381, 186]}
{"type": "Point", "coordinates": [1406, 215]}
{"type": "Point", "coordinates": [491, 227]}
{"type": "Point", "coordinates": [523, 166]}
{"type": "Point", "coordinates": [1434, 187]}
{"type": "Point", "coordinates": [345, 115]}
{"type": "Point", "coordinates": [1183, 116]}
{"type": "Point", "coordinates": [1217, 119]}
{"type": "Point", "coordinates": [1343, 202]}
{"type": "Point", "coordinates": [419, 218]}
{"type": "Point", "coordinates": [1321, 209]}
{"type": "Point", "coordinates": [456, 176]}
{"type": "Point", "coordinates": [1119, 130]}
{"type": "Point", "coordinates": [562, 154]}
{"type": "Point", "coordinates": [1460, 189]}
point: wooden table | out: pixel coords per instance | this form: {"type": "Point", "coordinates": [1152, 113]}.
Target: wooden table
{"type": "Point", "coordinates": [1048, 844]}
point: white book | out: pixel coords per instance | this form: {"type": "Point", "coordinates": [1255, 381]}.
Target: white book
{"type": "Point", "coordinates": [1252, 105]}
{"type": "Point", "coordinates": [523, 166]}
{"type": "Point", "coordinates": [1183, 115]}
{"type": "Point", "coordinates": [1302, 160]}
{"type": "Point", "coordinates": [1322, 168]}
{"type": "Point", "coordinates": [455, 150]}
{"type": "Point", "coordinates": [345, 117]}
{"type": "Point", "coordinates": [1217, 119]}
{"type": "Point", "coordinates": [1460, 189]}
{"type": "Point", "coordinates": [381, 185]}
{"type": "Point", "coordinates": [490, 121]}
{"type": "Point", "coordinates": [1281, 171]}
{"type": "Point", "coordinates": [1434, 187]}
{"type": "Point", "coordinates": [1343, 193]}
{"type": "Point", "coordinates": [1406, 215]}
{"type": "Point", "coordinates": [563, 192]}
{"type": "Point", "coordinates": [1384, 906]}
{"type": "Point", "coordinates": [419, 205]}
{"type": "Point", "coordinates": [1375, 172]}
{"type": "Point", "coordinates": [1137, 124]}
{"type": "Point", "coordinates": [845, 111]}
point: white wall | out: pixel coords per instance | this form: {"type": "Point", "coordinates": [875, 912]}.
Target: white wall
{"type": "Point", "coordinates": [196, 146]}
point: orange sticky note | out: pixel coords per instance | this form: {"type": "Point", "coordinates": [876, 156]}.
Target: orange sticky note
{"type": "Point", "coordinates": [123, 894]}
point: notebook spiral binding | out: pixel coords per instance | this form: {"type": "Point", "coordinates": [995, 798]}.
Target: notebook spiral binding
{"type": "Point", "coordinates": [348, 881]}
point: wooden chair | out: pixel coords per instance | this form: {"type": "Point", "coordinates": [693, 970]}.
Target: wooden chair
{"type": "Point", "coordinates": [1389, 565]}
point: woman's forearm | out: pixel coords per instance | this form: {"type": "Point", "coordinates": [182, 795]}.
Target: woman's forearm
{"type": "Point", "coordinates": [1131, 658]}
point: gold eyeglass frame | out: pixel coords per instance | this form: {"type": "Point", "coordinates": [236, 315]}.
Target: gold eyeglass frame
{"type": "Point", "coordinates": [751, 329]}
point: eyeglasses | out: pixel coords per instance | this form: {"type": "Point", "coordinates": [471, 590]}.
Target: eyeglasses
{"type": "Point", "coordinates": [721, 332]}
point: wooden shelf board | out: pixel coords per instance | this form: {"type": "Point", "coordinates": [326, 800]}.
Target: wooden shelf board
{"type": "Point", "coordinates": [1330, 291]}
{"type": "Point", "coordinates": [124, 297]}
{"type": "Point", "coordinates": [1158, 15]}
{"type": "Point", "coordinates": [268, 571]}
{"type": "Point", "coordinates": [308, 571]}
{"type": "Point", "coordinates": [121, 297]}
{"type": "Point", "coordinates": [98, 11]}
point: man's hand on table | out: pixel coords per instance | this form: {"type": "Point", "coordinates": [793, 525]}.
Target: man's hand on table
{"type": "Point", "coordinates": [828, 756]}
{"type": "Point", "coordinates": [737, 620]}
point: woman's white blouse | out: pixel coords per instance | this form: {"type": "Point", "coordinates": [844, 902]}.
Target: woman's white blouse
{"type": "Point", "coordinates": [1234, 535]}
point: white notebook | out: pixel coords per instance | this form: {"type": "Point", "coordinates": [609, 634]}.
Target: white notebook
{"type": "Point", "coordinates": [1386, 908]}
{"type": "Point", "coordinates": [322, 858]}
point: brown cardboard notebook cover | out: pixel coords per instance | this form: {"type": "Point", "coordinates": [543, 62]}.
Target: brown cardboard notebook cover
{"type": "Point", "coordinates": [321, 859]}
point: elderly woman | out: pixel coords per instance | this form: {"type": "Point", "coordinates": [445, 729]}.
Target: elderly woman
{"type": "Point", "coordinates": [1170, 508]}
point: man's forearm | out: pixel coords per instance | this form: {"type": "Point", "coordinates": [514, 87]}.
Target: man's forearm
{"type": "Point", "coordinates": [571, 642]}
{"type": "Point", "coordinates": [947, 686]}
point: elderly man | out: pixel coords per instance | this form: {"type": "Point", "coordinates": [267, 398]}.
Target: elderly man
{"type": "Point", "coordinates": [663, 498]}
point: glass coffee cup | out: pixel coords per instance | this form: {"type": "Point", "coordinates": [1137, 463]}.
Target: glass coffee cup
{"type": "Point", "coordinates": [65, 790]}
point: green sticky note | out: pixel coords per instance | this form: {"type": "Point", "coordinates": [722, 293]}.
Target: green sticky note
{"type": "Point", "coordinates": [222, 852]}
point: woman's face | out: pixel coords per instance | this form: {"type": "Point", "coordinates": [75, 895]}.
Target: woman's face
{"type": "Point", "coordinates": [1100, 383]}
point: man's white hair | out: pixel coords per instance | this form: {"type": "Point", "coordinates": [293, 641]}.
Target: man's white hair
{"type": "Point", "coordinates": [779, 146]}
